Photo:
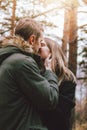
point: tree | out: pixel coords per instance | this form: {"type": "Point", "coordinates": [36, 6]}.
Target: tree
{"type": "Point", "coordinates": [70, 38]}
{"type": "Point", "coordinates": [65, 32]}
{"type": "Point", "coordinates": [73, 36]}
{"type": "Point", "coordinates": [5, 22]}
{"type": "Point", "coordinates": [13, 17]}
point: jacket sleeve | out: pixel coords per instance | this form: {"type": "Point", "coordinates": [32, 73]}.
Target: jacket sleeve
{"type": "Point", "coordinates": [41, 91]}
{"type": "Point", "coordinates": [67, 96]}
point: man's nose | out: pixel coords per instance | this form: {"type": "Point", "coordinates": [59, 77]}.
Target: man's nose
{"type": "Point", "coordinates": [40, 45]}
{"type": "Point", "coordinates": [39, 51]}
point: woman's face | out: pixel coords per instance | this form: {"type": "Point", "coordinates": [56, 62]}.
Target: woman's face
{"type": "Point", "coordinates": [44, 51]}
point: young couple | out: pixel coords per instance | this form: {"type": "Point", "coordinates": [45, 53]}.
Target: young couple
{"type": "Point", "coordinates": [34, 96]}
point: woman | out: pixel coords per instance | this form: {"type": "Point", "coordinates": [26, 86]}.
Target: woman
{"type": "Point", "coordinates": [59, 119]}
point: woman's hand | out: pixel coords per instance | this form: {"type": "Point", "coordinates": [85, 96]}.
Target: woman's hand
{"type": "Point", "coordinates": [47, 62]}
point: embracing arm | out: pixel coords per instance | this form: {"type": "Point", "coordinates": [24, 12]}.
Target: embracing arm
{"type": "Point", "coordinates": [67, 96]}
{"type": "Point", "coordinates": [41, 91]}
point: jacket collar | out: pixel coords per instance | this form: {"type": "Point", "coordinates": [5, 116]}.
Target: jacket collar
{"type": "Point", "coordinates": [5, 52]}
{"type": "Point", "coordinates": [16, 44]}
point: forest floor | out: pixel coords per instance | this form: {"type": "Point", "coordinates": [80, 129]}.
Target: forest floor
{"type": "Point", "coordinates": [82, 126]}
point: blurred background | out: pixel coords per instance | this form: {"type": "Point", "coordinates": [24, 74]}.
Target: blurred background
{"type": "Point", "coordinates": [66, 22]}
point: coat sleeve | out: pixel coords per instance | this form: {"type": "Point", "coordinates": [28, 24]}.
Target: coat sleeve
{"type": "Point", "coordinates": [67, 96]}
{"type": "Point", "coordinates": [41, 91]}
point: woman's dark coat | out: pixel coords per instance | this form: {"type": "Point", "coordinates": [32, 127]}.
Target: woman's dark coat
{"type": "Point", "coordinates": [23, 91]}
{"type": "Point", "coordinates": [60, 118]}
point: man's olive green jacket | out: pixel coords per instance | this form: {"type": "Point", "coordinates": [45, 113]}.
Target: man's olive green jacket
{"type": "Point", "coordinates": [23, 91]}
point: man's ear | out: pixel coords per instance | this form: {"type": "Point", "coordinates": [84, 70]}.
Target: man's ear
{"type": "Point", "coordinates": [32, 39]}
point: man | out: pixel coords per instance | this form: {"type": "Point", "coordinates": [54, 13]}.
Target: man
{"type": "Point", "coordinates": [23, 91]}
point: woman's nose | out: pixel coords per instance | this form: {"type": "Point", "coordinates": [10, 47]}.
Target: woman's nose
{"type": "Point", "coordinates": [43, 44]}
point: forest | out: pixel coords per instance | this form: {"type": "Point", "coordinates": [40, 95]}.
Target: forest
{"type": "Point", "coordinates": [66, 22]}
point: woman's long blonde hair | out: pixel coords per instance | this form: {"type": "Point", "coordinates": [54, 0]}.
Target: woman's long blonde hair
{"type": "Point", "coordinates": [59, 63]}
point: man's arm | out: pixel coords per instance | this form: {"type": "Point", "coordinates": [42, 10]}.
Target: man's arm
{"type": "Point", "coordinates": [42, 92]}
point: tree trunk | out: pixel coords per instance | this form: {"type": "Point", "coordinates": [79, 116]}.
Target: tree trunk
{"type": "Point", "coordinates": [65, 32]}
{"type": "Point", "coordinates": [72, 63]}
{"type": "Point", "coordinates": [13, 17]}
{"type": "Point", "coordinates": [73, 40]}
{"type": "Point", "coordinates": [70, 37]}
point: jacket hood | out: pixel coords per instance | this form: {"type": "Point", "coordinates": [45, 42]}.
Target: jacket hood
{"type": "Point", "coordinates": [17, 45]}
{"type": "Point", "coordinates": [7, 51]}
{"type": "Point", "coordinates": [18, 42]}
{"type": "Point", "coordinates": [13, 44]}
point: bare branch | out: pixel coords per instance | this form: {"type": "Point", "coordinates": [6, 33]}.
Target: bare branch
{"type": "Point", "coordinates": [81, 78]}
{"type": "Point", "coordinates": [82, 26]}
{"type": "Point", "coordinates": [47, 11]}
{"type": "Point", "coordinates": [2, 32]}
{"type": "Point", "coordinates": [82, 11]}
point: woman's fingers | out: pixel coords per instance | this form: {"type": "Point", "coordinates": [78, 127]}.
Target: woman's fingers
{"type": "Point", "coordinates": [47, 62]}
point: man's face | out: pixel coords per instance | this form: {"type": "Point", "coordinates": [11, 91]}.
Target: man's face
{"type": "Point", "coordinates": [37, 44]}
{"type": "Point", "coordinates": [44, 51]}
